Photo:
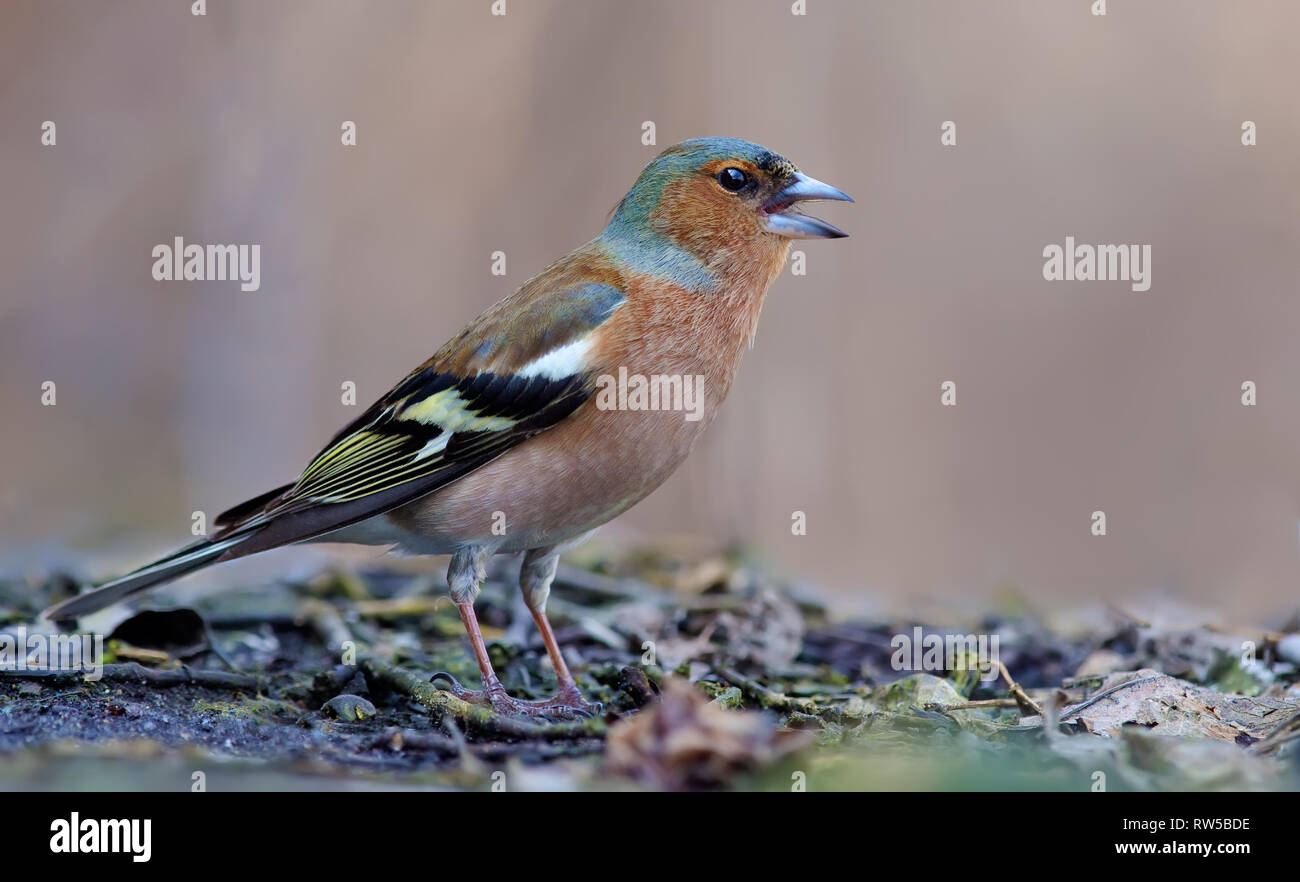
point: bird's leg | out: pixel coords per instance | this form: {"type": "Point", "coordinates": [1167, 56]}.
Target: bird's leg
{"type": "Point", "coordinates": [535, 577]}
{"type": "Point", "coordinates": [465, 575]}
{"type": "Point", "coordinates": [467, 571]}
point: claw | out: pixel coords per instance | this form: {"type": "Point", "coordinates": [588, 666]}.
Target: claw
{"type": "Point", "coordinates": [453, 685]}
{"type": "Point", "coordinates": [443, 675]}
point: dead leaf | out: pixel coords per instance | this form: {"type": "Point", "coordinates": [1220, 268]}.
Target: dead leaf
{"type": "Point", "coordinates": [1173, 707]}
{"type": "Point", "coordinates": [684, 741]}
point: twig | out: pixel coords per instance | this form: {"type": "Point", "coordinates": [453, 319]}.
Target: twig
{"type": "Point", "coordinates": [978, 703]}
{"type": "Point", "coordinates": [136, 673]}
{"type": "Point", "coordinates": [755, 691]}
{"type": "Point", "coordinates": [457, 737]}
{"type": "Point", "coordinates": [1082, 682]}
{"type": "Point", "coordinates": [402, 607]}
{"type": "Point", "coordinates": [1014, 688]}
{"type": "Point", "coordinates": [324, 619]}
{"type": "Point", "coordinates": [400, 740]}
{"type": "Point", "coordinates": [136, 653]}
{"type": "Point", "coordinates": [1100, 695]}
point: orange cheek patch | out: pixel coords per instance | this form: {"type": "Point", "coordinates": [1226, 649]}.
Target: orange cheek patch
{"type": "Point", "coordinates": [699, 215]}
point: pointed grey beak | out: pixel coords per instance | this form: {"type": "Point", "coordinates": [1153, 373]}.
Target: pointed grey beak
{"type": "Point", "coordinates": [781, 218]}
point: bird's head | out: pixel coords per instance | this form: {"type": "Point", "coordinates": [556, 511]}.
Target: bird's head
{"type": "Point", "coordinates": [719, 198]}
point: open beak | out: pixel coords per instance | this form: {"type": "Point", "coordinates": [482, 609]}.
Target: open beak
{"type": "Point", "coordinates": [780, 217]}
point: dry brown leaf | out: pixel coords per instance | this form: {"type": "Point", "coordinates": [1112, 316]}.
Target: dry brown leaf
{"type": "Point", "coordinates": [684, 741]}
{"type": "Point", "coordinates": [1169, 706]}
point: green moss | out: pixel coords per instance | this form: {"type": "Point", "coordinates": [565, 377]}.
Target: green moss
{"type": "Point", "coordinates": [729, 698]}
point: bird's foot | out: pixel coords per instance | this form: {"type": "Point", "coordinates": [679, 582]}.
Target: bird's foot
{"type": "Point", "coordinates": [568, 704]}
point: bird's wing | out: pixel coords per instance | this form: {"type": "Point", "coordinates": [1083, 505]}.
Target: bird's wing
{"type": "Point", "coordinates": [515, 372]}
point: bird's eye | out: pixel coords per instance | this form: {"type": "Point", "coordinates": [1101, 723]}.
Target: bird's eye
{"type": "Point", "coordinates": [732, 179]}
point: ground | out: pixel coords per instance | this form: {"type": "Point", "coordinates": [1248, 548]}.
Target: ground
{"type": "Point", "coordinates": [711, 675]}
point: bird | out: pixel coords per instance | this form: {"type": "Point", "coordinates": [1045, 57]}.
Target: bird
{"type": "Point", "coordinates": [515, 437]}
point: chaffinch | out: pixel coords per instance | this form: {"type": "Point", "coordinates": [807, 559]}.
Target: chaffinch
{"type": "Point", "coordinates": [556, 409]}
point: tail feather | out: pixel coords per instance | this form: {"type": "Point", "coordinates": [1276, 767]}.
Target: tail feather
{"type": "Point", "coordinates": [188, 559]}
{"type": "Point", "coordinates": [250, 508]}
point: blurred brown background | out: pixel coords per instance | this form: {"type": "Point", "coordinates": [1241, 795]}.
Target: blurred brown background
{"type": "Point", "coordinates": [518, 133]}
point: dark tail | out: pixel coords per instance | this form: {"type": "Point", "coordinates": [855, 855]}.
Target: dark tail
{"type": "Point", "coordinates": [192, 557]}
